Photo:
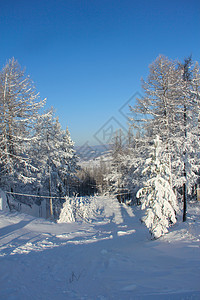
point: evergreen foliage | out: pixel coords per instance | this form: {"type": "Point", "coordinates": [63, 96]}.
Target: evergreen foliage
{"type": "Point", "coordinates": [157, 195]}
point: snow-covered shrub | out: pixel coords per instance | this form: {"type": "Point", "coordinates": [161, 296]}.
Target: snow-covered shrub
{"type": "Point", "coordinates": [91, 209]}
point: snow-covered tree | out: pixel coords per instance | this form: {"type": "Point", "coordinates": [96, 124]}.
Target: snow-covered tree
{"type": "Point", "coordinates": [19, 110]}
{"type": "Point", "coordinates": [114, 178]}
{"type": "Point", "coordinates": [157, 195]}
{"type": "Point", "coordinates": [124, 175]}
{"type": "Point", "coordinates": [155, 110]}
{"type": "Point", "coordinates": [68, 160]}
{"type": "Point", "coordinates": [54, 157]}
{"type": "Point", "coordinates": [169, 108]}
{"type": "Point", "coordinates": [188, 120]}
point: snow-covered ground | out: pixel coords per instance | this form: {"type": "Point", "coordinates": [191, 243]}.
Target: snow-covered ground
{"type": "Point", "coordinates": [107, 258]}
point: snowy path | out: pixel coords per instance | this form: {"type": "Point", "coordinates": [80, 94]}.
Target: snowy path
{"type": "Point", "coordinates": [43, 260]}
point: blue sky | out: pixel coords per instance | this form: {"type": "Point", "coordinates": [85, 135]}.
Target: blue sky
{"type": "Point", "coordinates": [87, 57]}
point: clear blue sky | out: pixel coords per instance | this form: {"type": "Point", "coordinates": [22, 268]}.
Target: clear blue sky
{"type": "Point", "coordinates": [87, 57]}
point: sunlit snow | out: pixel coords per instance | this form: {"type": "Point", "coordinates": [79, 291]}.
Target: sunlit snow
{"type": "Point", "coordinates": [114, 259]}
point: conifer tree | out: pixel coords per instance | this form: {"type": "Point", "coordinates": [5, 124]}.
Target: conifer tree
{"type": "Point", "coordinates": [157, 195]}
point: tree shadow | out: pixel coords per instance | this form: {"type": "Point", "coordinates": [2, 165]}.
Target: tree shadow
{"type": "Point", "coordinates": [10, 228]}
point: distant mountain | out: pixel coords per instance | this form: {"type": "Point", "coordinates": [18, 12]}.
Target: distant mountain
{"type": "Point", "coordinates": [87, 152]}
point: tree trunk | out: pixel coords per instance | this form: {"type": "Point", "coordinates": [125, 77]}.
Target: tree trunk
{"type": "Point", "coordinates": [185, 174]}
{"type": "Point", "coordinates": [50, 198]}
{"type": "Point", "coordinates": [184, 202]}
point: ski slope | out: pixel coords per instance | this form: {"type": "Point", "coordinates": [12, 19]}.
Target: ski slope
{"type": "Point", "coordinates": [111, 257]}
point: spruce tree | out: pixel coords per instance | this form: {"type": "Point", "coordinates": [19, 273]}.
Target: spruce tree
{"type": "Point", "coordinates": [157, 196]}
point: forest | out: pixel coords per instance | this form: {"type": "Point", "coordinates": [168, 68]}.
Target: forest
{"type": "Point", "coordinates": [157, 165]}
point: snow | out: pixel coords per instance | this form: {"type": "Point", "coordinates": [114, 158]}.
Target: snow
{"type": "Point", "coordinates": [157, 195]}
{"type": "Point", "coordinates": [33, 209]}
{"type": "Point", "coordinates": [3, 201]}
{"type": "Point", "coordinates": [91, 209]}
{"type": "Point", "coordinates": [114, 259]}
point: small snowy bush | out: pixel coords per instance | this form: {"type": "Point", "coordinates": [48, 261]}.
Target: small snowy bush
{"type": "Point", "coordinates": [91, 209]}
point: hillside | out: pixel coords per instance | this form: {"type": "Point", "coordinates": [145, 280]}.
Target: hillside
{"type": "Point", "coordinates": [86, 152]}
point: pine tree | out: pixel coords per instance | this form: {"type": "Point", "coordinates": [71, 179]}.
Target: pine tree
{"type": "Point", "coordinates": [157, 195]}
